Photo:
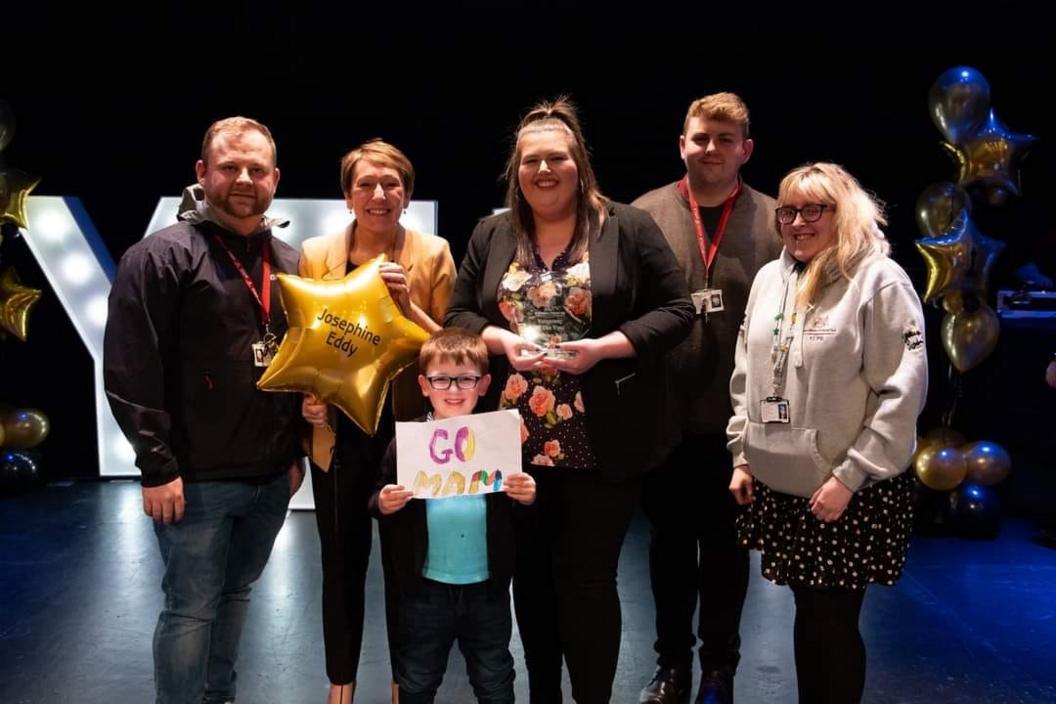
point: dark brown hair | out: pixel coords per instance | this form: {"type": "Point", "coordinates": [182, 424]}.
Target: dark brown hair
{"type": "Point", "coordinates": [559, 114]}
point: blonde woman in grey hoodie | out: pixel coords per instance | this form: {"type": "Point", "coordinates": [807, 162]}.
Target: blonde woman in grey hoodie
{"type": "Point", "coordinates": [830, 375]}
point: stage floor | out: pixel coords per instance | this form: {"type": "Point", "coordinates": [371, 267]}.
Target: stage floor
{"type": "Point", "coordinates": [79, 596]}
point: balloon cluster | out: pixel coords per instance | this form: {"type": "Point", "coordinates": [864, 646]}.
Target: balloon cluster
{"type": "Point", "coordinates": [987, 152]}
{"type": "Point", "coordinates": [957, 480]}
{"type": "Point", "coordinates": [21, 430]}
{"type": "Point", "coordinates": [958, 256]}
{"type": "Point", "coordinates": [16, 300]}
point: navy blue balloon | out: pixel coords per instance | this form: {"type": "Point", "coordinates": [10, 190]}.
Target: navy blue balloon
{"type": "Point", "coordinates": [19, 470]}
{"type": "Point", "coordinates": [959, 102]}
{"type": "Point", "coordinates": [975, 510]}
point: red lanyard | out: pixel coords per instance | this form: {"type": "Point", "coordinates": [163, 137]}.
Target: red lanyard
{"type": "Point", "coordinates": [263, 301]}
{"type": "Point", "coordinates": [708, 253]}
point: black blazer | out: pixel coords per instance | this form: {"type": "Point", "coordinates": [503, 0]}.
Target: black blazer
{"type": "Point", "coordinates": [637, 288]}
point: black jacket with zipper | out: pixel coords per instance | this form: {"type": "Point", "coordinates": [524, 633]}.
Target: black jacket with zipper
{"type": "Point", "coordinates": [178, 360]}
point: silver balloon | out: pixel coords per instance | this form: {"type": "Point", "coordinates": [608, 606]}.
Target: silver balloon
{"type": "Point", "coordinates": [958, 102]}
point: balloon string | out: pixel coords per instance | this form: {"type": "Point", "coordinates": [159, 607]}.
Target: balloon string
{"type": "Point", "coordinates": [956, 381]}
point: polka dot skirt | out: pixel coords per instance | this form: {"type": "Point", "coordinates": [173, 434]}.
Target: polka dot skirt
{"type": "Point", "coordinates": [867, 544]}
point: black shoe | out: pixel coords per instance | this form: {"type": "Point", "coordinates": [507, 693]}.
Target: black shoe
{"type": "Point", "coordinates": [716, 687]}
{"type": "Point", "coordinates": [670, 685]}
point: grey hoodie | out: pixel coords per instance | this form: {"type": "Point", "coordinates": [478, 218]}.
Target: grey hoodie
{"type": "Point", "coordinates": [856, 379]}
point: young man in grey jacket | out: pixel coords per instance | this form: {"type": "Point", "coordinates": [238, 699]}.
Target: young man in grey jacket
{"type": "Point", "coordinates": [721, 231]}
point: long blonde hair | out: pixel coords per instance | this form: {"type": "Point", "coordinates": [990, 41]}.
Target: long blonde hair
{"type": "Point", "coordinates": [856, 222]}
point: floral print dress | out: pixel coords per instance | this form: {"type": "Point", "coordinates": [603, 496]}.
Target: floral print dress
{"type": "Point", "coordinates": [547, 306]}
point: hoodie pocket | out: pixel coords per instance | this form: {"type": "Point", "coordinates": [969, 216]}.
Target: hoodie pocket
{"type": "Point", "coordinates": [786, 458]}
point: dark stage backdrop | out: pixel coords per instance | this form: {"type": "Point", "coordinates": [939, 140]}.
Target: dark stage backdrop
{"type": "Point", "coordinates": [116, 114]}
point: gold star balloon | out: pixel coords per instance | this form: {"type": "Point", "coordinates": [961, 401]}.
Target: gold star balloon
{"type": "Point", "coordinates": [990, 159]}
{"type": "Point", "coordinates": [16, 301]}
{"type": "Point", "coordinates": [15, 185]}
{"type": "Point", "coordinates": [347, 340]}
{"type": "Point", "coordinates": [959, 260]}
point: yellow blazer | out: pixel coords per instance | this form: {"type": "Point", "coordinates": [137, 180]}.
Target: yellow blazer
{"type": "Point", "coordinates": [431, 277]}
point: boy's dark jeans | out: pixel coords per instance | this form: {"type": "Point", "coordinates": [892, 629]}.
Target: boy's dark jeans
{"type": "Point", "coordinates": [432, 619]}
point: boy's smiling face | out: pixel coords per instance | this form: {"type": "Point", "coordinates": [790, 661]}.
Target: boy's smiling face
{"type": "Point", "coordinates": [454, 400]}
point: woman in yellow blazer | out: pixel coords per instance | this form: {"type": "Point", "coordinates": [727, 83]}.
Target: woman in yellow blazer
{"type": "Point", "coordinates": [377, 180]}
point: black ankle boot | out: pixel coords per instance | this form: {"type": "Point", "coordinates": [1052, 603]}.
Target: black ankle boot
{"type": "Point", "coordinates": [670, 685]}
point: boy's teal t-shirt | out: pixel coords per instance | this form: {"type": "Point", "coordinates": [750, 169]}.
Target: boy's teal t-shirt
{"type": "Point", "coordinates": [458, 540]}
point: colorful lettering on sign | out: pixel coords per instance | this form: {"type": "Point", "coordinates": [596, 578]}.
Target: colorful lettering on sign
{"type": "Point", "coordinates": [456, 484]}
{"type": "Point", "coordinates": [483, 477]}
{"type": "Point", "coordinates": [426, 484]}
{"type": "Point", "coordinates": [464, 449]}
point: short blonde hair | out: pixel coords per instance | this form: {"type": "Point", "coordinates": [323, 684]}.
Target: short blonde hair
{"type": "Point", "coordinates": [455, 345]}
{"type": "Point", "coordinates": [726, 107]}
{"type": "Point", "coordinates": [378, 152]}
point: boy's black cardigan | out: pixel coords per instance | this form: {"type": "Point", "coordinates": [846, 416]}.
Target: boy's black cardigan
{"type": "Point", "coordinates": [405, 537]}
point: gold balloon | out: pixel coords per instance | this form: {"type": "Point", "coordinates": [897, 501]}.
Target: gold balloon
{"type": "Point", "coordinates": [943, 469]}
{"type": "Point", "coordinates": [939, 206]}
{"type": "Point", "coordinates": [15, 186]}
{"type": "Point", "coordinates": [923, 455]}
{"type": "Point", "coordinates": [960, 259]}
{"type": "Point", "coordinates": [944, 437]}
{"type": "Point", "coordinates": [953, 302]}
{"type": "Point", "coordinates": [969, 336]}
{"type": "Point", "coordinates": [24, 428]}
{"type": "Point", "coordinates": [16, 301]}
{"type": "Point", "coordinates": [988, 463]}
{"type": "Point", "coordinates": [347, 340]}
{"type": "Point", "coordinates": [990, 158]}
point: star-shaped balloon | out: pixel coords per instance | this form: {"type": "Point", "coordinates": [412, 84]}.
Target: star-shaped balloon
{"type": "Point", "coordinates": [959, 260]}
{"type": "Point", "coordinates": [16, 301]}
{"type": "Point", "coordinates": [347, 340]}
{"type": "Point", "coordinates": [990, 159]}
{"type": "Point", "coordinates": [15, 185]}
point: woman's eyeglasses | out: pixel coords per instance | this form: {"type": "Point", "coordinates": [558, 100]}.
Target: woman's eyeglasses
{"type": "Point", "coordinates": [443, 382]}
{"type": "Point", "coordinates": [811, 212]}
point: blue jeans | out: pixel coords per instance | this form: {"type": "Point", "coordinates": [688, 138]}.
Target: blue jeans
{"type": "Point", "coordinates": [211, 558]}
{"type": "Point", "coordinates": [429, 623]}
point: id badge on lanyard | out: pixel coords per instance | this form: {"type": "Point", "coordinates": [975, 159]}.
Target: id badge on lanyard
{"type": "Point", "coordinates": [708, 300]}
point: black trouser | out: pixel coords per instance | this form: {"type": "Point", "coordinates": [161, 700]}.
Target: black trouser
{"type": "Point", "coordinates": [345, 536]}
{"type": "Point", "coordinates": [564, 586]}
{"type": "Point", "coordinates": [830, 654]}
{"type": "Point", "coordinates": [693, 552]}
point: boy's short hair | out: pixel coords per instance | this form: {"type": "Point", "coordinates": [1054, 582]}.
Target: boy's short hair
{"type": "Point", "coordinates": [455, 345]}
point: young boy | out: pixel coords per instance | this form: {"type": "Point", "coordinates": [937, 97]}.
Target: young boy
{"type": "Point", "coordinates": [452, 559]}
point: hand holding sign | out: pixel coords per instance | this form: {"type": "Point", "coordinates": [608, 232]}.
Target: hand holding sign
{"type": "Point", "coordinates": [347, 340]}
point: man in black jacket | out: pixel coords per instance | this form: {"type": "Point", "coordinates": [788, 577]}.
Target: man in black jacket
{"type": "Point", "coordinates": [194, 319]}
